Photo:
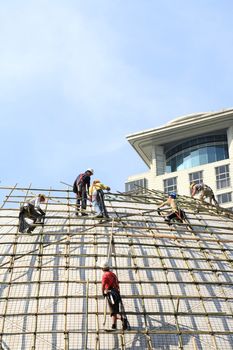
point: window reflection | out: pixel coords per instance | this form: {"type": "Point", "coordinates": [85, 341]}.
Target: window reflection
{"type": "Point", "coordinates": [195, 154]}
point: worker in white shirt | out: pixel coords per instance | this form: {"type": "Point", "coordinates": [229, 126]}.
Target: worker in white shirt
{"type": "Point", "coordinates": [31, 210]}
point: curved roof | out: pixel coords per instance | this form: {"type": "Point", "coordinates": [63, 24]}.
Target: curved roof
{"type": "Point", "coordinates": [187, 117]}
{"type": "Point", "coordinates": [179, 128]}
{"type": "Point", "coordinates": [175, 281]}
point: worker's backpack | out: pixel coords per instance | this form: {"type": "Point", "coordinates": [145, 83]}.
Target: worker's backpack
{"type": "Point", "coordinates": [77, 181]}
{"type": "Point", "coordinates": [75, 189]}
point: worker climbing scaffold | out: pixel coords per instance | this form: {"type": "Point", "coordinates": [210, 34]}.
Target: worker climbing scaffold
{"type": "Point", "coordinates": [176, 214]}
{"type": "Point", "coordinates": [81, 189]}
{"type": "Point", "coordinates": [111, 290]}
{"type": "Point", "coordinates": [97, 198]}
{"type": "Point", "coordinates": [205, 192]}
{"type": "Point", "coordinates": [31, 210]}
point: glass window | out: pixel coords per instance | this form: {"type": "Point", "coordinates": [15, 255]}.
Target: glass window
{"type": "Point", "coordinates": [222, 176]}
{"type": "Point", "coordinates": [170, 185]}
{"type": "Point", "coordinates": [138, 185]}
{"type": "Point", "coordinates": [196, 177]}
{"type": "Point", "coordinates": [219, 153]}
{"type": "Point", "coordinates": [195, 158]}
{"type": "Point", "coordinates": [211, 154]}
{"type": "Point", "coordinates": [224, 198]}
{"type": "Point", "coordinates": [198, 151]}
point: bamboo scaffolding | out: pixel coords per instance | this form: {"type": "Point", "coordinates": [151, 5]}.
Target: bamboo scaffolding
{"type": "Point", "coordinates": [144, 244]}
{"type": "Point", "coordinates": [86, 313]}
{"type": "Point", "coordinates": [67, 257]}
{"type": "Point", "coordinates": [133, 331]}
{"type": "Point", "coordinates": [39, 268]}
{"type": "Point", "coordinates": [133, 296]}
{"type": "Point", "coordinates": [141, 313]}
{"type": "Point", "coordinates": [118, 208]}
{"type": "Point", "coordinates": [148, 339]}
{"type": "Point", "coordinates": [177, 258]}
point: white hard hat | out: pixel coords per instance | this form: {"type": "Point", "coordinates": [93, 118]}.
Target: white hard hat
{"type": "Point", "coordinates": [105, 265]}
{"type": "Point", "coordinates": [90, 170]}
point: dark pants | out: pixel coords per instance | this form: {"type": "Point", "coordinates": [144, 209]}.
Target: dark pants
{"type": "Point", "coordinates": [178, 215]}
{"type": "Point", "coordinates": [100, 200]}
{"type": "Point", "coordinates": [114, 300]}
{"type": "Point", "coordinates": [30, 213]}
{"type": "Point", "coordinates": [81, 197]}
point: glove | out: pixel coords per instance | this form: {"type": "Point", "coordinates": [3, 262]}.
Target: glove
{"type": "Point", "coordinates": [108, 188]}
{"type": "Point", "coordinates": [159, 211]}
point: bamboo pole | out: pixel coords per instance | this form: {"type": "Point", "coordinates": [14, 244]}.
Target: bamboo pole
{"type": "Point", "coordinates": [86, 321]}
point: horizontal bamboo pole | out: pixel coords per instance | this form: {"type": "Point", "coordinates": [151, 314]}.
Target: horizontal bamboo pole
{"type": "Point", "coordinates": [144, 236]}
{"type": "Point", "coordinates": [123, 282]}
{"type": "Point", "coordinates": [56, 201]}
{"type": "Point", "coordinates": [78, 255]}
{"type": "Point", "coordinates": [128, 228]}
{"type": "Point", "coordinates": [137, 213]}
{"type": "Point", "coordinates": [125, 296]}
{"type": "Point", "coordinates": [128, 219]}
{"type": "Point", "coordinates": [189, 313]}
{"type": "Point", "coordinates": [119, 243]}
{"type": "Point", "coordinates": [155, 268]}
{"type": "Point", "coordinates": [135, 330]}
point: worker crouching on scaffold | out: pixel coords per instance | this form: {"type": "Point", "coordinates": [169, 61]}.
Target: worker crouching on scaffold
{"type": "Point", "coordinates": [205, 192]}
{"type": "Point", "coordinates": [97, 198]}
{"type": "Point", "coordinates": [176, 213]}
{"type": "Point", "coordinates": [31, 210]}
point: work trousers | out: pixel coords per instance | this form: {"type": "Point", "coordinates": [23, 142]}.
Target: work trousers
{"type": "Point", "coordinates": [178, 215]}
{"type": "Point", "coordinates": [29, 212]}
{"type": "Point", "coordinates": [99, 204]}
{"type": "Point", "coordinates": [81, 197]}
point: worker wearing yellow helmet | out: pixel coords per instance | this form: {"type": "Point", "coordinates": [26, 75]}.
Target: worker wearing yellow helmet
{"type": "Point", "coordinates": [97, 198]}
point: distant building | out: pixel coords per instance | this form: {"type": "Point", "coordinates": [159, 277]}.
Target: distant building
{"type": "Point", "coordinates": [193, 148]}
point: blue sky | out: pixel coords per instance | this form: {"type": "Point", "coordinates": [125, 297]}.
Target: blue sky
{"type": "Point", "coordinates": [77, 76]}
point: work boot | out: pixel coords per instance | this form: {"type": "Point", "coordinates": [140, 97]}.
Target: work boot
{"type": "Point", "coordinates": [114, 326]}
{"type": "Point", "coordinates": [168, 221]}
{"type": "Point", "coordinates": [84, 214]}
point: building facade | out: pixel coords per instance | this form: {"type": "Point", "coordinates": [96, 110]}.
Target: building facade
{"type": "Point", "coordinates": [194, 148]}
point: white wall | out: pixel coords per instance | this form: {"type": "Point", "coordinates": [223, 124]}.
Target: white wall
{"type": "Point", "coordinates": [209, 175]}
{"type": "Point", "coordinates": [209, 178]}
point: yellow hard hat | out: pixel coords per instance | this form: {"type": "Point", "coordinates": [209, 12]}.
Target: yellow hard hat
{"type": "Point", "coordinates": [42, 197]}
{"type": "Point", "coordinates": [192, 184]}
{"type": "Point", "coordinates": [96, 181]}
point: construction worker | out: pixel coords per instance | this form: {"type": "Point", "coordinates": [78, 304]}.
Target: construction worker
{"type": "Point", "coordinates": [97, 198]}
{"type": "Point", "coordinates": [81, 188]}
{"type": "Point", "coordinates": [31, 210]}
{"type": "Point", "coordinates": [111, 290]}
{"type": "Point", "coordinates": [205, 192]}
{"type": "Point", "coordinates": [176, 213]}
